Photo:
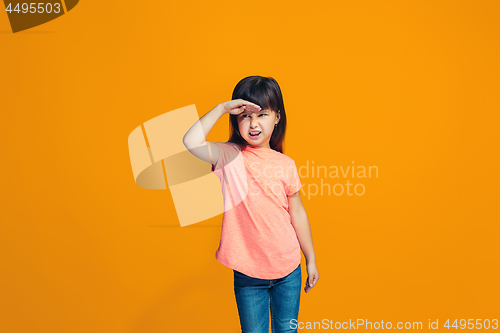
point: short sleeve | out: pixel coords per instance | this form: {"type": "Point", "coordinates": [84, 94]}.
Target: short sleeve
{"type": "Point", "coordinates": [294, 181]}
{"type": "Point", "coordinates": [228, 152]}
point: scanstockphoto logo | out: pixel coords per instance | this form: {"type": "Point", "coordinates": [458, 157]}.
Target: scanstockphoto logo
{"type": "Point", "coordinates": [332, 180]}
{"type": "Point", "coordinates": [335, 180]}
{"type": "Point", "coordinates": [25, 15]}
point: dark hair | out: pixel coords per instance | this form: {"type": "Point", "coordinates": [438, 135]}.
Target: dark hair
{"type": "Point", "coordinates": [265, 92]}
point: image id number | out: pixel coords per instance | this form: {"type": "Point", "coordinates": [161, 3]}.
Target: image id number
{"type": "Point", "coordinates": [35, 8]}
{"type": "Point", "coordinates": [472, 324]}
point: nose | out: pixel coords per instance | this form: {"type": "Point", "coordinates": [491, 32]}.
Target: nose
{"type": "Point", "coordinates": [254, 122]}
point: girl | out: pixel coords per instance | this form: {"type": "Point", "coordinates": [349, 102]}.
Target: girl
{"type": "Point", "coordinates": [264, 225]}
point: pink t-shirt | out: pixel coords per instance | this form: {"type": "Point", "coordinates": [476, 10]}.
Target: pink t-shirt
{"type": "Point", "coordinates": [257, 237]}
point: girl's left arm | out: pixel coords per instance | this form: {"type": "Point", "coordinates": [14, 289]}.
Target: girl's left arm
{"type": "Point", "coordinates": [302, 228]}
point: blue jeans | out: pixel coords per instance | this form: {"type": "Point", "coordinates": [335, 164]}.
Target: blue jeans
{"type": "Point", "coordinates": [255, 298]}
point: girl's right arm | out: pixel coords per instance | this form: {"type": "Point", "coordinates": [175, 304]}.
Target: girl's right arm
{"type": "Point", "coordinates": [194, 139]}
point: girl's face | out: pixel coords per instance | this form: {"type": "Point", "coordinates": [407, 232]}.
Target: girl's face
{"type": "Point", "coordinates": [262, 121]}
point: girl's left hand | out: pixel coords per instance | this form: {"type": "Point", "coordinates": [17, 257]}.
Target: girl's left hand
{"type": "Point", "coordinates": [312, 276]}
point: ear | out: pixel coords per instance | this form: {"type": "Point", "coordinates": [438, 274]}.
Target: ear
{"type": "Point", "coordinates": [278, 116]}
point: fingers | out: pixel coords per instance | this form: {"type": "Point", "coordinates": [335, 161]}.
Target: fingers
{"type": "Point", "coordinates": [308, 286]}
{"type": "Point", "coordinates": [239, 105]}
{"type": "Point", "coordinates": [250, 104]}
{"type": "Point", "coordinates": [311, 282]}
{"type": "Point", "coordinates": [240, 109]}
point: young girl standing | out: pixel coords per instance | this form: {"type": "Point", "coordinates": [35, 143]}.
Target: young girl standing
{"type": "Point", "coordinates": [264, 225]}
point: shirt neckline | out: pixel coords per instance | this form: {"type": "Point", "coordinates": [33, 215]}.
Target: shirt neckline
{"type": "Point", "coordinates": [258, 147]}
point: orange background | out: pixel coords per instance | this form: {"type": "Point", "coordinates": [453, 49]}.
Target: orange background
{"type": "Point", "coordinates": [411, 87]}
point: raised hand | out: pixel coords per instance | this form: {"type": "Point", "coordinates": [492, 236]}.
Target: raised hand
{"type": "Point", "coordinates": [237, 106]}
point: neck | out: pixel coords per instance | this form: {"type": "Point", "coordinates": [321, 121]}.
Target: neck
{"type": "Point", "coordinates": [254, 146]}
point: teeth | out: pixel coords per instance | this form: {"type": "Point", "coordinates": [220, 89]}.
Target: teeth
{"type": "Point", "coordinates": [253, 133]}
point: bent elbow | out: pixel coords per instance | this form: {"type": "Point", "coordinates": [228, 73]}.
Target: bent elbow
{"type": "Point", "coordinates": [190, 145]}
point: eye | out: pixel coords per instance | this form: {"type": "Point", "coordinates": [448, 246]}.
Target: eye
{"type": "Point", "coordinates": [262, 114]}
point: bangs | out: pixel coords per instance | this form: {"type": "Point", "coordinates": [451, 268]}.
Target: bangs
{"type": "Point", "coordinates": [260, 94]}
